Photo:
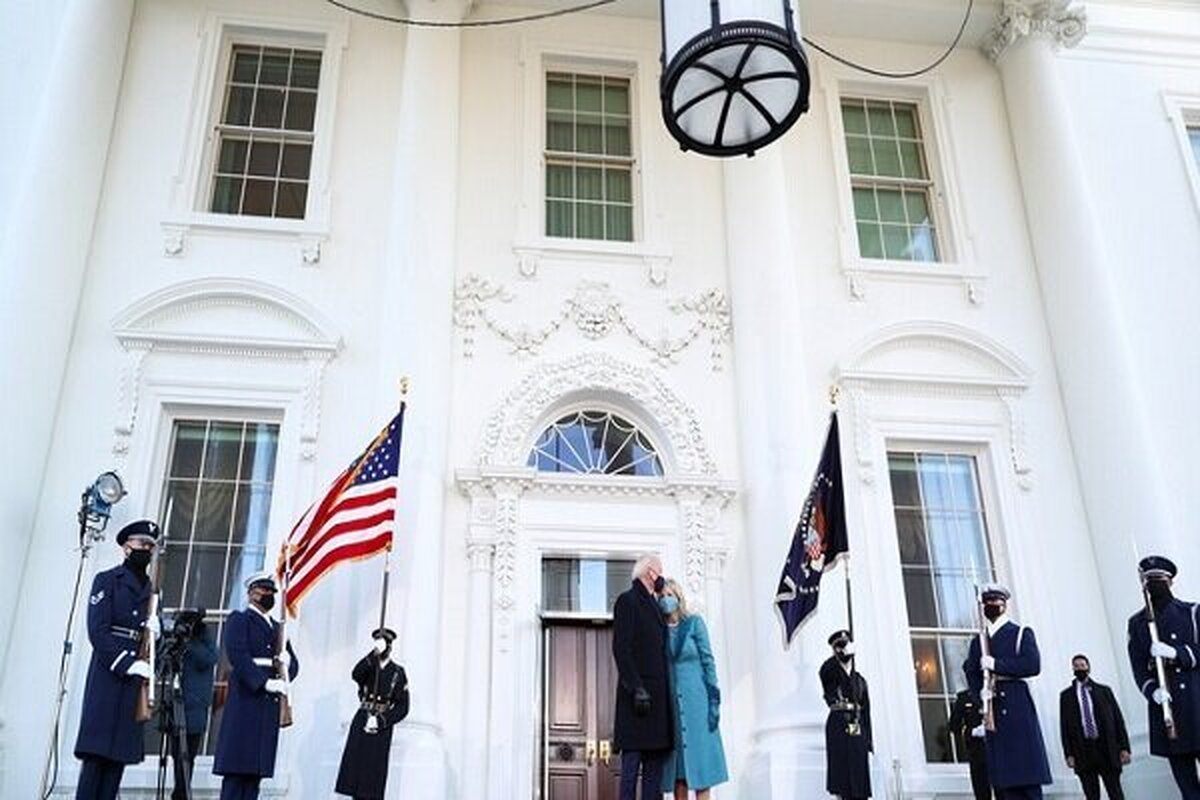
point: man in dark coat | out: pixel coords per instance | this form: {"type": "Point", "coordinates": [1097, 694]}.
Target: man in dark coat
{"type": "Point", "coordinates": [643, 732]}
{"type": "Point", "coordinates": [1094, 738]}
{"type": "Point", "coordinates": [109, 735]}
{"type": "Point", "coordinates": [249, 733]}
{"type": "Point", "coordinates": [1179, 647]}
{"type": "Point", "coordinates": [848, 742]}
{"type": "Point", "coordinates": [1016, 752]}
{"type": "Point", "coordinates": [383, 698]}
{"type": "Point", "coordinates": [196, 685]}
{"type": "Point", "coordinates": [966, 726]}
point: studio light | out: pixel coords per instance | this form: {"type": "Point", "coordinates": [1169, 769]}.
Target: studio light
{"type": "Point", "coordinates": [95, 506]}
{"type": "Point", "coordinates": [734, 76]}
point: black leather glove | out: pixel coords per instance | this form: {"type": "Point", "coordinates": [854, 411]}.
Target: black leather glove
{"type": "Point", "coordinates": [641, 702]}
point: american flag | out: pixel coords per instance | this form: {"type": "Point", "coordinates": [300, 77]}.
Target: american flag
{"type": "Point", "coordinates": [352, 521]}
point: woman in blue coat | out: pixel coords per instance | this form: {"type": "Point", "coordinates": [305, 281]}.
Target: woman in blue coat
{"type": "Point", "coordinates": [698, 761]}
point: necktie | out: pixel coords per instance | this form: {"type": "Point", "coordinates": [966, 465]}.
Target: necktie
{"type": "Point", "coordinates": [1089, 719]}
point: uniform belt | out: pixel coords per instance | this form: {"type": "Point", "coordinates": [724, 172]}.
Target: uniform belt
{"type": "Point", "coordinates": [264, 662]}
{"type": "Point", "coordinates": [128, 633]}
{"type": "Point", "coordinates": [1005, 679]}
{"type": "Point", "coordinates": [843, 706]}
{"type": "Point", "coordinates": [375, 708]}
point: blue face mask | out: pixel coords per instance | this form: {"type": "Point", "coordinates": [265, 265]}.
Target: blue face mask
{"type": "Point", "coordinates": [668, 604]}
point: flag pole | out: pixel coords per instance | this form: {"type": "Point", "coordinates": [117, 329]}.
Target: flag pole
{"type": "Point", "coordinates": [834, 391]}
{"type": "Point", "coordinates": [387, 554]}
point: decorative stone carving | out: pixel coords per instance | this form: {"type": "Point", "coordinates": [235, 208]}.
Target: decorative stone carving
{"type": "Point", "coordinates": [595, 312]}
{"type": "Point", "coordinates": [504, 566]}
{"type": "Point", "coordinates": [127, 404]}
{"type": "Point", "coordinates": [1017, 445]}
{"type": "Point", "coordinates": [310, 250]}
{"type": "Point", "coordinates": [1057, 19]}
{"type": "Point", "coordinates": [479, 556]}
{"type": "Point", "coordinates": [507, 431]}
{"type": "Point", "coordinates": [174, 239]}
{"type": "Point", "coordinates": [698, 519]}
{"type": "Point", "coordinates": [863, 435]}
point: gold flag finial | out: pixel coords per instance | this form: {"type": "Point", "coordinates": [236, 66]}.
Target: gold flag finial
{"type": "Point", "coordinates": [403, 387]}
{"type": "Point", "coordinates": [834, 391]}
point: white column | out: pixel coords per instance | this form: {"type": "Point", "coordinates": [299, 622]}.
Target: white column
{"type": "Point", "coordinates": [476, 700]}
{"type": "Point", "coordinates": [1108, 416]}
{"type": "Point", "coordinates": [44, 245]}
{"type": "Point", "coordinates": [778, 432]}
{"type": "Point", "coordinates": [416, 337]}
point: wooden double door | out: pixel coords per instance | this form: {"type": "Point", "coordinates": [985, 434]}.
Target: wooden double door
{"type": "Point", "coordinates": [578, 761]}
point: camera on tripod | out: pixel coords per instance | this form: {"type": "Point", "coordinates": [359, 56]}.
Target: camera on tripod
{"type": "Point", "coordinates": [179, 629]}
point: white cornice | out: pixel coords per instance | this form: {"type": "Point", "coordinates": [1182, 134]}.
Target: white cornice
{"type": "Point", "coordinates": [1065, 24]}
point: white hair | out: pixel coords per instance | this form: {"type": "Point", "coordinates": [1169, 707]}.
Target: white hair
{"type": "Point", "coordinates": [644, 562]}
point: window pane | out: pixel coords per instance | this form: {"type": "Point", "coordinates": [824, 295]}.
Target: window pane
{"type": "Point", "coordinates": [918, 592]}
{"type": "Point", "coordinates": [597, 442]}
{"type": "Point", "coordinates": [233, 156]}
{"type": "Point", "coordinates": [913, 166]}
{"type": "Point", "coordinates": [268, 108]}
{"type": "Point", "coordinates": [934, 729]}
{"type": "Point", "coordinates": [854, 119]}
{"type": "Point", "coordinates": [275, 65]}
{"type": "Point", "coordinates": [259, 198]}
{"type": "Point", "coordinates": [887, 157]}
{"type": "Point", "coordinates": [616, 98]}
{"type": "Point", "coordinates": [961, 476]}
{"type": "Point", "coordinates": [858, 150]}
{"type": "Point", "coordinates": [291, 199]}
{"type": "Point", "coordinates": [916, 206]}
{"type": "Point", "coordinates": [618, 185]}
{"type": "Point", "coordinates": [891, 205]}
{"type": "Point", "coordinates": [864, 205]}
{"type": "Point", "coordinates": [906, 120]}
{"type": "Point", "coordinates": [954, 653]}
{"type": "Point", "coordinates": [245, 65]}
{"type": "Point", "coordinates": [296, 161]}
{"type": "Point", "coordinates": [910, 527]}
{"type": "Point", "coordinates": [560, 218]}
{"type": "Point", "coordinates": [252, 514]}
{"type": "Point", "coordinates": [206, 573]}
{"type": "Point", "coordinates": [935, 481]}
{"type": "Point", "coordinates": [301, 110]}
{"type": "Point", "coordinates": [902, 469]}
{"type": "Point", "coordinates": [587, 94]}
{"type": "Point", "coordinates": [1194, 136]}
{"type": "Point", "coordinates": [870, 240]}
{"type": "Point", "coordinates": [560, 131]}
{"type": "Point", "coordinates": [923, 243]}
{"type": "Point", "coordinates": [214, 512]}
{"type": "Point", "coordinates": [238, 105]}
{"type": "Point", "coordinates": [616, 138]}
{"type": "Point", "coordinates": [589, 221]}
{"type": "Point", "coordinates": [879, 119]}
{"type": "Point", "coordinates": [264, 159]}
{"type": "Point", "coordinates": [620, 224]}
{"type": "Point", "coordinates": [181, 499]}
{"type": "Point", "coordinates": [174, 568]}
{"type": "Point", "coordinates": [895, 242]}
{"type": "Point", "coordinates": [560, 181]}
{"type": "Point", "coordinates": [306, 70]}
{"type": "Point", "coordinates": [589, 133]}
{"type": "Point", "coordinates": [927, 665]}
{"type": "Point", "coordinates": [589, 184]}
{"type": "Point", "coordinates": [560, 93]}
{"type": "Point", "coordinates": [188, 450]}
{"type": "Point", "coordinates": [227, 195]}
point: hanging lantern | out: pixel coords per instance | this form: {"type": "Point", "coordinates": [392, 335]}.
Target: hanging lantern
{"type": "Point", "coordinates": [734, 75]}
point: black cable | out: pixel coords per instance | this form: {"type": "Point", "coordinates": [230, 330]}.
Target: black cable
{"type": "Point", "coordinates": [483, 23]}
{"type": "Point", "coordinates": [879, 73]}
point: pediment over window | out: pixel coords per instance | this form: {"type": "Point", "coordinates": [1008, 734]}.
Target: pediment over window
{"type": "Point", "coordinates": [227, 315]}
{"type": "Point", "coordinates": [934, 353]}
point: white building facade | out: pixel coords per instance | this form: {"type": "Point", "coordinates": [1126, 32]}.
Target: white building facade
{"type": "Point", "coordinates": [228, 229]}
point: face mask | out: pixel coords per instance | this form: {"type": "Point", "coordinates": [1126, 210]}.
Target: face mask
{"type": "Point", "coordinates": [266, 602]}
{"type": "Point", "coordinates": [668, 604]}
{"type": "Point", "coordinates": [1081, 675]}
{"type": "Point", "coordinates": [993, 612]}
{"type": "Point", "coordinates": [843, 657]}
{"type": "Point", "coordinates": [660, 583]}
{"type": "Point", "coordinates": [1160, 591]}
{"type": "Point", "coordinates": [138, 560]}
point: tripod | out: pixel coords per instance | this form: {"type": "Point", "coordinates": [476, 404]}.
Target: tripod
{"type": "Point", "coordinates": [172, 727]}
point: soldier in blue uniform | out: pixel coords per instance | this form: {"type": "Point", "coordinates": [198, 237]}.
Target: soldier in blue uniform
{"type": "Point", "coordinates": [249, 733]}
{"type": "Point", "coordinates": [109, 735]}
{"type": "Point", "coordinates": [1179, 646]}
{"type": "Point", "coordinates": [1016, 752]}
{"type": "Point", "coordinates": [848, 737]}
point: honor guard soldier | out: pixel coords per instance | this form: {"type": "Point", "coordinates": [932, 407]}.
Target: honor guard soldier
{"type": "Point", "coordinates": [966, 726]}
{"type": "Point", "coordinates": [848, 740]}
{"type": "Point", "coordinates": [1178, 652]}
{"type": "Point", "coordinates": [1016, 752]}
{"type": "Point", "coordinates": [249, 733]}
{"type": "Point", "coordinates": [383, 698]}
{"type": "Point", "coordinates": [110, 735]}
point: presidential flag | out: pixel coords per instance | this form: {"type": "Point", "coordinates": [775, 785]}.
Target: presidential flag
{"type": "Point", "coordinates": [353, 520]}
{"type": "Point", "coordinates": [818, 542]}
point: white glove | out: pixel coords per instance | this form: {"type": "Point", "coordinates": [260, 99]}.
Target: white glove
{"type": "Point", "coordinates": [988, 663]}
{"type": "Point", "coordinates": [1161, 696]}
{"type": "Point", "coordinates": [276, 686]}
{"type": "Point", "coordinates": [154, 625]}
{"type": "Point", "coordinates": [986, 695]}
{"type": "Point", "coordinates": [848, 649]}
{"type": "Point", "coordinates": [372, 725]}
{"type": "Point", "coordinates": [139, 669]}
{"type": "Point", "coordinates": [380, 645]}
{"type": "Point", "coordinates": [979, 731]}
{"type": "Point", "coordinates": [285, 659]}
{"type": "Point", "coordinates": [1163, 650]}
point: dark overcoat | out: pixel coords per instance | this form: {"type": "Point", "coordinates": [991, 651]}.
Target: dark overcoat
{"type": "Point", "coordinates": [640, 650]}
{"type": "Point", "coordinates": [1178, 626]}
{"type": "Point", "coordinates": [965, 716]}
{"type": "Point", "coordinates": [1110, 724]}
{"type": "Point", "coordinates": [249, 732]}
{"type": "Point", "coordinates": [847, 761]}
{"type": "Point", "coordinates": [196, 681]}
{"type": "Point", "coordinates": [1016, 751]}
{"type": "Point", "coordinates": [115, 618]}
{"type": "Point", "coordinates": [364, 768]}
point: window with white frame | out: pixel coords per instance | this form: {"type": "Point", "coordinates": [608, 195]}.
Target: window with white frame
{"type": "Point", "coordinates": [589, 157]}
{"type": "Point", "coordinates": [942, 527]}
{"type": "Point", "coordinates": [593, 442]}
{"type": "Point", "coordinates": [218, 484]}
{"type": "Point", "coordinates": [264, 133]}
{"type": "Point", "coordinates": [891, 180]}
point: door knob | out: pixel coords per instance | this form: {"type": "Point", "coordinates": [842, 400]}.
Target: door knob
{"type": "Point", "coordinates": [589, 752]}
{"type": "Point", "coordinates": [605, 751]}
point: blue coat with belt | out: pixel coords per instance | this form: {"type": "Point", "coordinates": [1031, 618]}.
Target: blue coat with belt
{"type": "Point", "coordinates": [249, 734]}
{"type": "Point", "coordinates": [116, 616]}
{"type": "Point", "coordinates": [699, 756]}
{"type": "Point", "coordinates": [1016, 752]}
{"type": "Point", "coordinates": [1178, 626]}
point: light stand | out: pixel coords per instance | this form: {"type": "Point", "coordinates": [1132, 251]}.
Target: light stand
{"type": "Point", "coordinates": [95, 507]}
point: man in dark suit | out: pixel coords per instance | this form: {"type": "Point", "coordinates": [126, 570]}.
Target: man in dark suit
{"type": "Point", "coordinates": [966, 726]}
{"type": "Point", "coordinates": [1094, 738]}
{"type": "Point", "coordinates": [1178, 646]}
{"type": "Point", "coordinates": [643, 728]}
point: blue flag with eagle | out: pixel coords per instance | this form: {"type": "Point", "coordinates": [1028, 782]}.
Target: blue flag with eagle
{"type": "Point", "coordinates": [819, 541]}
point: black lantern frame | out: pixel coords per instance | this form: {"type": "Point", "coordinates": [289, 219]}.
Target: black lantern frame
{"type": "Point", "coordinates": [720, 35]}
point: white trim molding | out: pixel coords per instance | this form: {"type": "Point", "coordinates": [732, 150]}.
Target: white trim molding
{"type": "Point", "coordinates": [1183, 112]}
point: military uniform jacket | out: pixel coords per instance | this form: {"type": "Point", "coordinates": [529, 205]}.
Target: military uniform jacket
{"type": "Point", "coordinates": [1016, 752]}
{"type": "Point", "coordinates": [967, 715]}
{"type": "Point", "coordinates": [1178, 626]}
{"type": "Point", "coordinates": [847, 764]}
{"type": "Point", "coordinates": [363, 771]}
{"type": "Point", "coordinates": [249, 732]}
{"type": "Point", "coordinates": [640, 650]}
{"type": "Point", "coordinates": [116, 616]}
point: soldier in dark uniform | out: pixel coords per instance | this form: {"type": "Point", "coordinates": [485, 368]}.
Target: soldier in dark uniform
{"type": "Point", "coordinates": [1179, 646]}
{"type": "Point", "coordinates": [249, 734]}
{"type": "Point", "coordinates": [383, 694]}
{"type": "Point", "coordinates": [1016, 752]}
{"type": "Point", "coordinates": [109, 735]}
{"type": "Point", "coordinates": [848, 741]}
{"type": "Point", "coordinates": [966, 726]}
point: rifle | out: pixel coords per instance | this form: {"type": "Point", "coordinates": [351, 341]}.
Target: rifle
{"type": "Point", "coordinates": [1160, 666]}
{"type": "Point", "coordinates": [147, 645]}
{"type": "Point", "coordinates": [989, 677]}
{"type": "Point", "coordinates": [285, 702]}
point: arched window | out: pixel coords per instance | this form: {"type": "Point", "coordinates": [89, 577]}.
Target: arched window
{"type": "Point", "coordinates": [595, 443]}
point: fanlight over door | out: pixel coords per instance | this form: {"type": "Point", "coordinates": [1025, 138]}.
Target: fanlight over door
{"type": "Point", "coordinates": [595, 443]}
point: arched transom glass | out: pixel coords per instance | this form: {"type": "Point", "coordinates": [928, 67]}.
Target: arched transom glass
{"type": "Point", "coordinates": [595, 443]}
